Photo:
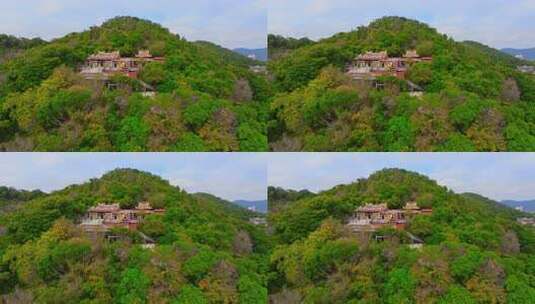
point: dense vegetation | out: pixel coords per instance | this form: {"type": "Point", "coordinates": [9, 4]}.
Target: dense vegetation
{"type": "Point", "coordinates": [207, 99]}
{"type": "Point", "coordinates": [11, 198]}
{"type": "Point", "coordinates": [279, 198]}
{"type": "Point", "coordinates": [474, 252]}
{"type": "Point", "coordinates": [229, 55]}
{"type": "Point", "coordinates": [10, 46]}
{"type": "Point", "coordinates": [206, 251]}
{"type": "Point", "coordinates": [475, 99]}
{"type": "Point", "coordinates": [280, 46]}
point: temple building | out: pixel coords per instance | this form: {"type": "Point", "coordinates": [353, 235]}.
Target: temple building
{"type": "Point", "coordinates": [528, 69]}
{"type": "Point", "coordinates": [370, 65]}
{"type": "Point", "coordinates": [103, 217]}
{"type": "Point", "coordinates": [526, 221]}
{"type": "Point", "coordinates": [412, 208]}
{"type": "Point", "coordinates": [369, 218]}
{"type": "Point", "coordinates": [258, 221]}
{"type": "Point", "coordinates": [103, 65]}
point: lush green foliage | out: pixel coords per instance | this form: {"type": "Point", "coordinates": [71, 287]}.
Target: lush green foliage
{"type": "Point", "coordinates": [206, 250]}
{"type": "Point", "coordinates": [474, 251]}
{"type": "Point", "coordinates": [474, 100]}
{"type": "Point", "coordinates": [228, 55]}
{"type": "Point", "coordinates": [279, 198]}
{"type": "Point", "coordinates": [279, 46]}
{"type": "Point", "coordinates": [206, 99]}
{"type": "Point", "coordinates": [11, 199]}
{"type": "Point", "coordinates": [10, 46]}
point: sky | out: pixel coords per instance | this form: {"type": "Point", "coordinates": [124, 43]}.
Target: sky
{"type": "Point", "coordinates": [235, 176]}
{"type": "Point", "coordinates": [232, 176]}
{"type": "Point", "coordinates": [498, 23]}
{"type": "Point", "coordinates": [230, 23]}
{"type": "Point", "coordinates": [499, 176]}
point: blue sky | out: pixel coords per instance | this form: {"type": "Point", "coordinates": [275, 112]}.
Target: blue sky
{"type": "Point", "coordinates": [495, 175]}
{"type": "Point", "coordinates": [499, 23]}
{"type": "Point", "coordinates": [246, 175]}
{"type": "Point", "coordinates": [231, 23]}
{"type": "Point", "coordinates": [231, 176]}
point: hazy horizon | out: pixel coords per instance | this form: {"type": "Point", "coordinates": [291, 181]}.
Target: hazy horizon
{"type": "Point", "coordinates": [499, 24]}
{"type": "Point", "coordinates": [236, 176]}
{"type": "Point", "coordinates": [499, 176]}
{"type": "Point", "coordinates": [229, 23]}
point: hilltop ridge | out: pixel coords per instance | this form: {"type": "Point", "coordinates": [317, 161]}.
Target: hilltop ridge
{"type": "Point", "coordinates": [204, 247]}
{"type": "Point", "coordinates": [462, 244]}
{"type": "Point", "coordinates": [203, 97]}
{"type": "Point", "coordinates": [526, 54]}
{"type": "Point", "coordinates": [468, 97]}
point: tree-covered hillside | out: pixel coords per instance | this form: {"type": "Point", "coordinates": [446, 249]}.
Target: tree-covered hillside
{"type": "Point", "coordinates": [280, 46]}
{"type": "Point", "coordinates": [497, 55]}
{"type": "Point", "coordinates": [229, 55]}
{"type": "Point", "coordinates": [11, 198]}
{"type": "Point", "coordinates": [475, 98]}
{"type": "Point", "coordinates": [206, 100]}
{"type": "Point", "coordinates": [205, 252]}
{"type": "Point", "coordinates": [279, 198]}
{"type": "Point", "coordinates": [474, 251]}
{"type": "Point", "coordinates": [10, 46]}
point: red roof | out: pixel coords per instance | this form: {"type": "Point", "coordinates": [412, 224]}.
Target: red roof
{"type": "Point", "coordinates": [105, 208]}
{"type": "Point", "coordinates": [373, 208]}
{"type": "Point", "coordinates": [105, 56]}
{"type": "Point", "coordinates": [373, 56]}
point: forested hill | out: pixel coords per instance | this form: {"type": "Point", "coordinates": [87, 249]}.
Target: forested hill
{"type": "Point", "coordinates": [279, 197]}
{"type": "Point", "coordinates": [11, 198]}
{"type": "Point", "coordinates": [229, 55]}
{"type": "Point", "coordinates": [280, 46]}
{"type": "Point", "coordinates": [10, 46]}
{"type": "Point", "coordinates": [527, 205]}
{"type": "Point", "coordinates": [527, 54]}
{"type": "Point", "coordinates": [498, 55]}
{"type": "Point", "coordinates": [204, 253]}
{"type": "Point", "coordinates": [239, 211]}
{"type": "Point", "coordinates": [474, 97]}
{"type": "Point", "coordinates": [474, 250]}
{"type": "Point", "coordinates": [207, 99]}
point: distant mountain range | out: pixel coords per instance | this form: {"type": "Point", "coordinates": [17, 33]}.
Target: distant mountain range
{"type": "Point", "coordinates": [258, 206]}
{"type": "Point", "coordinates": [527, 206]}
{"type": "Point", "coordinates": [258, 54]}
{"type": "Point", "coordinates": [528, 54]}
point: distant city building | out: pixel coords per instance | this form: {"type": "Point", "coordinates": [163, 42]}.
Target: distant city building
{"type": "Point", "coordinates": [258, 221]}
{"type": "Point", "coordinates": [528, 69]}
{"type": "Point", "coordinates": [258, 69]}
{"type": "Point", "coordinates": [526, 221]}
{"type": "Point", "coordinates": [252, 56]}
